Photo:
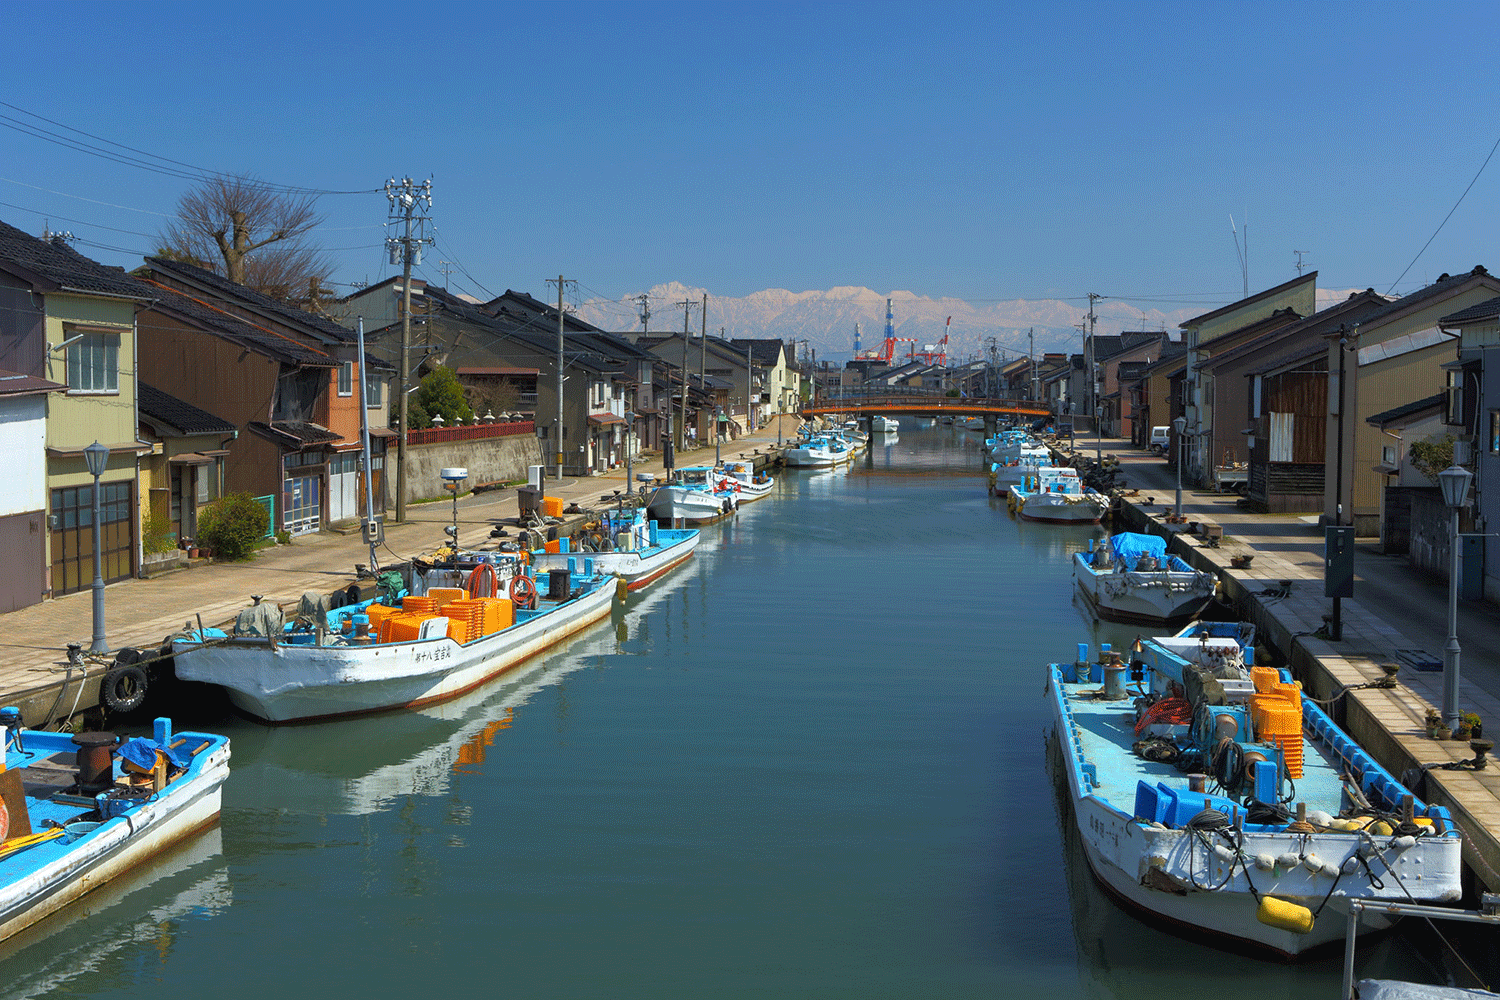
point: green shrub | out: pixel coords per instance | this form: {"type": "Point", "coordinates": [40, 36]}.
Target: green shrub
{"type": "Point", "coordinates": [232, 524]}
{"type": "Point", "coordinates": [157, 535]}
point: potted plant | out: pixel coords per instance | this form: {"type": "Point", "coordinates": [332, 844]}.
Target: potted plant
{"type": "Point", "coordinates": [1469, 726]}
{"type": "Point", "coordinates": [1435, 727]}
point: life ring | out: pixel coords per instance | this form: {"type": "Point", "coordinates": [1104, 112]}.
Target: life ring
{"type": "Point", "coordinates": [523, 591]}
{"type": "Point", "coordinates": [492, 587]}
{"type": "Point", "coordinates": [124, 687]}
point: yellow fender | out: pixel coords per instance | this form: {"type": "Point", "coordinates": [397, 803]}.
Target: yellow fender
{"type": "Point", "coordinates": [1287, 916]}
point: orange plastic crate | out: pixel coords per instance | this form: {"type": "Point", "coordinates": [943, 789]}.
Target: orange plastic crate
{"type": "Point", "coordinates": [419, 605]}
{"type": "Point", "coordinates": [445, 595]}
{"type": "Point", "coordinates": [402, 628]}
{"type": "Point", "coordinates": [458, 630]}
{"type": "Point", "coordinates": [1265, 679]}
{"type": "Point", "coordinates": [552, 506]}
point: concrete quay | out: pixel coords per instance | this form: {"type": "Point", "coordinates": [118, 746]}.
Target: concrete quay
{"type": "Point", "coordinates": [35, 674]}
{"type": "Point", "coordinates": [1395, 607]}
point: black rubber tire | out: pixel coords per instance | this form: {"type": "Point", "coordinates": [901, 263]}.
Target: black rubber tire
{"type": "Point", "coordinates": [124, 688]}
{"type": "Point", "coordinates": [126, 656]}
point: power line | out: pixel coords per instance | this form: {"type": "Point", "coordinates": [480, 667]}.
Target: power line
{"type": "Point", "coordinates": [1446, 217]}
{"type": "Point", "coordinates": [167, 166]}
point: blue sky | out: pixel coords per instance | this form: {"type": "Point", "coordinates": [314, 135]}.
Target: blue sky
{"type": "Point", "coordinates": [980, 151]}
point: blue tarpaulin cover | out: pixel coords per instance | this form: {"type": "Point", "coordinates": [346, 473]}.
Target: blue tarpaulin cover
{"type": "Point", "coordinates": [1127, 547]}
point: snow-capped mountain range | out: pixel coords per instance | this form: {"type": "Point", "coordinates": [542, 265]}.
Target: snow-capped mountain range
{"type": "Point", "coordinates": [826, 319]}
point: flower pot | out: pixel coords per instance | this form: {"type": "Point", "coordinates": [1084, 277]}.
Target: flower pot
{"type": "Point", "coordinates": [193, 553]}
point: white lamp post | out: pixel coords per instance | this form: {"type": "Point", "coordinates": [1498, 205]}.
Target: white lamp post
{"type": "Point", "coordinates": [1180, 425]}
{"type": "Point", "coordinates": [97, 458]}
{"type": "Point", "coordinates": [1455, 483]}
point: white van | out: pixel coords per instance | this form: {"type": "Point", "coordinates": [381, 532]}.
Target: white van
{"type": "Point", "coordinates": [1161, 438]}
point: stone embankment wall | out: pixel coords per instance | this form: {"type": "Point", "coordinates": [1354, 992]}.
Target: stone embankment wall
{"type": "Point", "coordinates": [489, 460]}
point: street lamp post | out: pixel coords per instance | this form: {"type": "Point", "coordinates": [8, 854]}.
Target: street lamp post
{"type": "Point", "coordinates": [718, 431]}
{"type": "Point", "coordinates": [1455, 483]}
{"type": "Point", "coordinates": [1180, 425]}
{"type": "Point", "coordinates": [97, 458]}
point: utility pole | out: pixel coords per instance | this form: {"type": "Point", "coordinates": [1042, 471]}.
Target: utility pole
{"type": "Point", "coordinates": [406, 200]}
{"type": "Point", "coordinates": [645, 301]}
{"type": "Point", "coordinates": [1031, 333]}
{"type": "Point", "coordinates": [703, 353]}
{"type": "Point", "coordinates": [1094, 385]}
{"type": "Point", "coordinates": [681, 436]}
{"type": "Point", "coordinates": [749, 388]}
{"type": "Point", "coordinates": [558, 423]}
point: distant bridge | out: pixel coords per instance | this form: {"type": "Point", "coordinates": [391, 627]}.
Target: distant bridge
{"type": "Point", "coordinates": [869, 404]}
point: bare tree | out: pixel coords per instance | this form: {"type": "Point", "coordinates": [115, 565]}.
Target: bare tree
{"type": "Point", "coordinates": [250, 232]}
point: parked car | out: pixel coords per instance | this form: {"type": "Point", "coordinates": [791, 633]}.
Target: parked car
{"type": "Point", "coordinates": [1161, 439]}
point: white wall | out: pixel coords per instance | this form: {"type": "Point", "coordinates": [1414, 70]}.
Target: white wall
{"type": "Point", "coordinates": [23, 442]}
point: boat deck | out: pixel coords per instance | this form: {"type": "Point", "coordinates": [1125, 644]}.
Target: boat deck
{"type": "Point", "coordinates": [1106, 730]}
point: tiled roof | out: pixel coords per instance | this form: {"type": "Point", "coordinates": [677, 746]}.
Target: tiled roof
{"type": "Point", "coordinates": [295, 433]}
{"type": "Point", "coordinates": [1488, 309]}
{"type": "Point", "coordinates": [177, 413]}
{"type": "Point", "coordinates": [253, 300]}
{"type": "Point", "coordinates": [763, 349]}
{"type": "Point", "coordinates": [63, 267]}
{"type": "Point", "coordinates": [1267, 293]}
{"type": "Point", "coordinates": [263, 340]}
{"type": "Point", "coordinates": [1444, 284]}
{"type": "Point", "coordinates": [1407, 410]}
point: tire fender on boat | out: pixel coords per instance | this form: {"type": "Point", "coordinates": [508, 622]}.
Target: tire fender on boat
{"type": "Point", "coordinates": [124, 686]}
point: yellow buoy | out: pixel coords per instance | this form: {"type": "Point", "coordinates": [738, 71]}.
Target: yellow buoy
{"type": "Point", "coordinates": [1275, 912]}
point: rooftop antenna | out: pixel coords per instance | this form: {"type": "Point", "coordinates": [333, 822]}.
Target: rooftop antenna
{"type": "Point", "coordinates": [1242, 254]}
{"type": "Point", "coordinates": [1300, 265]}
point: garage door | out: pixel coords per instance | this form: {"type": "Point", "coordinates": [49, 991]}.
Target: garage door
{"type": "Point", "coordinates": [73, 540]}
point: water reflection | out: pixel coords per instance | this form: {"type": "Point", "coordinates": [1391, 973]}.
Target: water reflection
{"type": "Point", "coordinates": [121, 934]}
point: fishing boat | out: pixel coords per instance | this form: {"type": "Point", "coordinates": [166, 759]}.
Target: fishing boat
{"type": "Point", "coordinates": [1015, 456]}
{"type": "Point", "coordinates": [369, 656]}
{"type": "Point", "coordinates": [81, 809]}
{"type": "Point", "coordinates": [1130, 577]}
{"type": "Point", "coordinates": [747, 484]}
{"type": "Point", "coordinates": [1056, 495]}
{"type": "Point", "coordinates": [884, 425]}
{"type": "Point", "coordinates": [1217, 799]}
{"type": "Point", "coordinates": [818, 451]}
{"type": "Point", "coordinates": [692, 495]}
{"type": "Point", "coordinates": [635, 548]}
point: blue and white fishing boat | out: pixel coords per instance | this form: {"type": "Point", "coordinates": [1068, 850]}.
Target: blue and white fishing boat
{"type": "Point", "coordinates": [884, 425]}
{"type": "Point", "coordinates": [692, 495]}
{"type": "Point", "coordinates": [1057, 495]}
{"type": "Point", "coordinates": [1215, 798]}
{"type": "Point", "coordinates": [741, 477]}
{"type": "Point", "coordinates": [80, 810]}
{"type": "Point", "coordinates": [819, 451]}
{"type": "Point", "coordinates": [1014, 456]}
{"type": "Point", "coordinates": [639, 551]}
{"type": "Point", "coordinates": [1130, 577]}
{"type": "Point", "coordinates": [281, 671]}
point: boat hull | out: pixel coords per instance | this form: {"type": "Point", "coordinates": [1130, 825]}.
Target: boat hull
{"type": "Point", "coordinates": [1058, 508]}
{"type": "Point", "coordinates": [298, 683]}
{"type": "Point", "coordinates": [672, 504]}
{"type": "Point", "coordinates": [1146, 597]}
{"type": "Point", "coordinates": [190, 805]}
{"type": "Point", "coordinates": [638, 568]}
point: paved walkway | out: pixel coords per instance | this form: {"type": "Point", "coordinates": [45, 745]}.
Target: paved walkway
{"type": "Point", "coordinates": [142, 613]}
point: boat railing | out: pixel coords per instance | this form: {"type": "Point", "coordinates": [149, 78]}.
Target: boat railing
{"type": "Point", "coordinates": [1488, 914]}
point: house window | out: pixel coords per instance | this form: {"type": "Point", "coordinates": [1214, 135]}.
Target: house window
{"type": "Point", "coordinates": [1388, 456]}
{"type": "Point", "coordinates": [346, 378]}
{"type": "Point", "coordinates": [1455, 414]}
{"type": "Point", "coordinates": [374, 390]}
{"type": "Point", "coordinates": [94, 363]}
{"type": "Point", "coordinates": [1495, 432]}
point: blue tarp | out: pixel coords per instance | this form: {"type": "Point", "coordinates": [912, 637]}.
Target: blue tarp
{"type": "Point", "coordinates": [1128, 548]}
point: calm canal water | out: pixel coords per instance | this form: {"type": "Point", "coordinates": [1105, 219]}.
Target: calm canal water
{"type": "Point", "coordinates": [810, 763]}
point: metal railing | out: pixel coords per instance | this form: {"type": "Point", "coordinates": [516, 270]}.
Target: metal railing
{"type": "Point", "coordinates": [476, 432]}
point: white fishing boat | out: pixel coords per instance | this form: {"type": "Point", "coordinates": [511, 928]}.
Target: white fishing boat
{"type": "Point", "coordinates": [638, 549]}
{"type": "Point", "coordinates": [1015, 456]}
{"type": "Point", "coordinates": [84, 809]}
{"type": "Point", "coordinates": [1057, 495]}
{"type": "Point", "coordinates": [818, 451]}
{"type": "Point", "coordinates": [884, 425]}
{"type": "Point", "coordinates": [1130, 577]}
{"type": "Point", "coordinates": [289, 672]}
{"type": "Point", "coordinates": [691, 495]}
{"type": "Point", "coordinates": [1215, 798]}
{"type": "Point", "coordinates": [740, 476]}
